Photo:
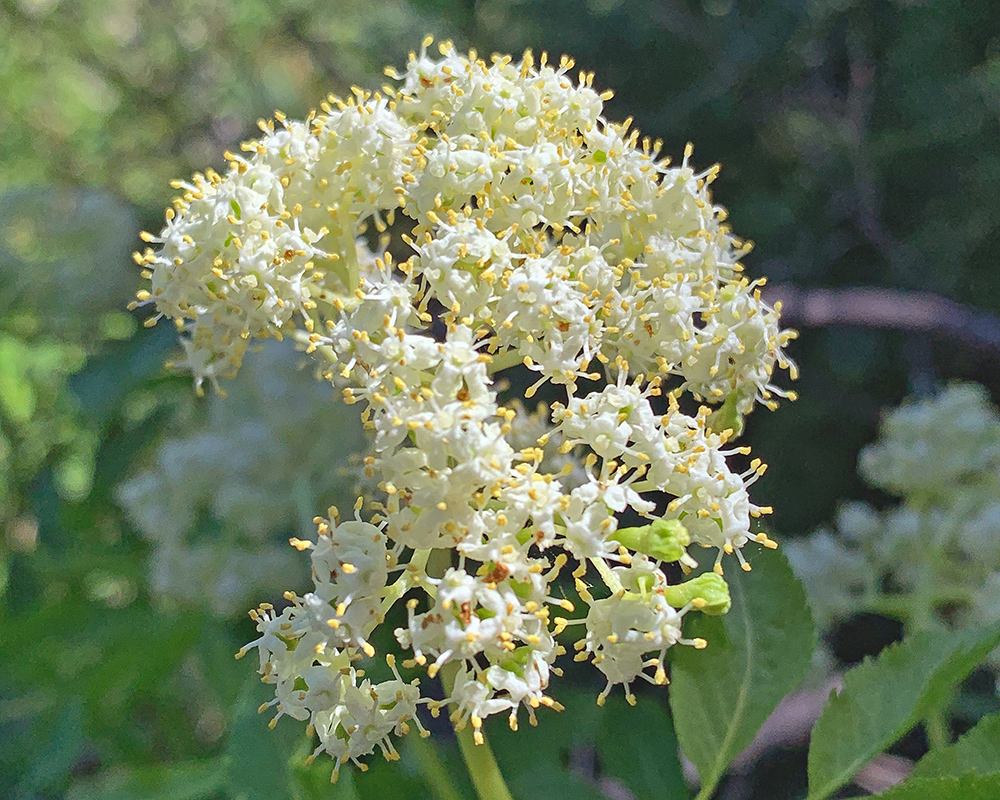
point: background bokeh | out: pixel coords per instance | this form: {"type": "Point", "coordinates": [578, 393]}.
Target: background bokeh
{"type": "Point", "coordinates": [860, 144]}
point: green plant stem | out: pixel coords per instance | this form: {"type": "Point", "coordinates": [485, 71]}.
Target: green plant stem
{"type": "Point", "coordinates": [503, 361]}
{"type": "Point", "coordinates": [434, 770]}
{"type": "Point", "coordinates": [409, 578]}
{"type": "Point", "coordinates": [923, 618]}
{"type": "Point", "coordinates": [609, 577]}
{"type": "Point", "coordinates": [479, 759]}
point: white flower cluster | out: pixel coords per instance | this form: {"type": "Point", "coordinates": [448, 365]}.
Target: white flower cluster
{"type": "Point", "coordinates": [222, 492]}
{"type": "Point", "coordinates": [521, 228]}
{"type": "Point", "coordinates": [932, 559]}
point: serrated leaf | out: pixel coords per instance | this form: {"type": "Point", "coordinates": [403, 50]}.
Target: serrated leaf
{"type": "Point", "coordinates": [638, 746]}
{"type": "Point", "coordinates": [978, 751]}
{"type": "Point", "coordinates": [884, 698]}
{"type": "Point", "coordinates": [756, 654]}
{"type": "Point", "coordinates": [964, 787]}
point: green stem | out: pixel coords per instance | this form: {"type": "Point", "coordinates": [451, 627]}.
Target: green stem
{"type": "Point", "coordinates": [923, 618]}
{"type": "Point", "coordinates": [504, 360]}
{"type": "Point", "coordinates": [479, 759]}
{"type": "Point", "coordinates": [609, 577]}
{"type": "Point", "coordinates": [434, 770]}
{"type": "Point", "coordinates": [415, 566]}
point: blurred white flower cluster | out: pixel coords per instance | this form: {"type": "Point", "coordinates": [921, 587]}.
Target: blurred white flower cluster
{"type": "Point", "coordinates": [220, 497]}
{"type": "Point", "coordinates": [519, 228]}
{"type": "Point", "coordinates": [933, 559]}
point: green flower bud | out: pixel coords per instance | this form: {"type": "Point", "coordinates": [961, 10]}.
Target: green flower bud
{"type": "Point", "coordinates": [664, 539]}
{"type": "Point", "coordinates": [709, 593]}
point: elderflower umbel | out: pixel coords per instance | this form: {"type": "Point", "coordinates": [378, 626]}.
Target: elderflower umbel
{"type": "Point", "coordinates": [220, 495]}
{"type": "Point", "coordinates": [931, 560]}
{"type": "Point", "coordinates": [519, 228]}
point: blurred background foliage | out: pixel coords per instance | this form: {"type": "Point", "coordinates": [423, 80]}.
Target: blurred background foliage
{"type": "Point", "coordinates": [860, 144]}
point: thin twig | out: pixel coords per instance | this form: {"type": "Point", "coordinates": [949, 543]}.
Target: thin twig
{"type": "Point", "coordinates": [889, 309]}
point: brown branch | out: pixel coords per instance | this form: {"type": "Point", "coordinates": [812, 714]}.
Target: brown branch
{"type": "Point", "coordinates": [889, 309]}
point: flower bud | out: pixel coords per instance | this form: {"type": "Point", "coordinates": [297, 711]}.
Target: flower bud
{"type": "Point", "coordinates": [664, 539]}
{"type": "Point", "coordinates": [709, 593]}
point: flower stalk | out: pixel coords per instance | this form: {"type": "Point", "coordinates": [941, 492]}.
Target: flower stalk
{"type": "Point", "coordinates": [479, 759]}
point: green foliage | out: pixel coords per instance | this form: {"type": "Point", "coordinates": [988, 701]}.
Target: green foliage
{"type": "Point", "coordinates": [757, 653]}
{"type": "Point", "coordinates": [882, 699]}
{"type": "Point", "coordinates": [132, 95]}
{"type": "Point", "coordinates": [192, 780]}
{"type": "Point", "coordinates": [639, 747]}
{"type": "Point", "coordinates": [63, 282]}
{"type": "Point", "coordinates": [965, 787]}
{"type": "Point", "coordinates": [971, 765]}
{"type": "Point", "coordinates": [635, 746]}
{"type": "Point", "coordinates": [977, 751]}
{"type": "Point", "coordinates": [551, 747]}
{"type": "Point", "coordinates": [266, 774]}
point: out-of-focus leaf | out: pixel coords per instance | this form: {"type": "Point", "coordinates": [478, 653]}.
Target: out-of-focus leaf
{"type": "Point", "coordinates": [53, 764]}
{"type": "Point", "coordinates": [756, 654]}
{"type": "Point", "coordinates": [187, 780]}
{"type": "Point", "coordinates": [388, 781]}
{"type": "Point", "coordinates": [312, 782]}
{"type": "Point", "coordinates": [258, 756]}
{"type": "Point", "coordinates": [120, 367]}
{"type": "Point", "coordinates": [638, 746]}
{"type": "Point", "coordinates": [64, 254]}
{"type": "Point", "coordinates": [439, 763]}
{"type": "Point", "coordinates": [540, 779]}
{"type": "Point", "coordinates": [535, 761]}
{"type": "Point", "coordinates": [17, 395]}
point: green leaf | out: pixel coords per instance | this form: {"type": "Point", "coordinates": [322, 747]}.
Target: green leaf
{"type": "Point", "coordinates": [977, 751]}
{"type": "Point", "coordinates": [965, 787]}
{"type": "Point", "coordinates": [55, 761]}
{"type": "Point", "coordinates": [385, 780]}
{"type": "Point", "coordinates": [17, 395]}
{"type": "Point", "coordinates": [534, 760]}
{"type": "Point", "coordinates": [540, 780]}
{"type": "Point", "coordinates": [189, 780]}
{"type": "Point", "coordinates": [638, 746]}
{"type": "Point", "coordinates": [441, 766]}
{"type": "Point", "coordinates": [314, 784]}
{"type": "Point", "coordinates": [258, 756]}
{"type": "Point", "coordinates": [882, 699]}
{"type": "Point", "coordinates": [756, 654]}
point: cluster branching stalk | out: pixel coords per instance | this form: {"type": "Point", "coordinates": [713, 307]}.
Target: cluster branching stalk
{"type": "Point", "coordinates": [479, 758]}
